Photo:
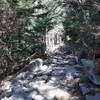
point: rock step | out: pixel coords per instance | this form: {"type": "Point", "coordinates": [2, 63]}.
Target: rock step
{"type": "Point", "coordinates": [55, 78]}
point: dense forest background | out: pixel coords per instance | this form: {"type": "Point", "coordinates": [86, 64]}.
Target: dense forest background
{"type": "Point", "coordinates": [24, 24]}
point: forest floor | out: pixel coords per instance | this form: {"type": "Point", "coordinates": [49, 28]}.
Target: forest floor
{"type": "Point", "coordinates": [54, 78]}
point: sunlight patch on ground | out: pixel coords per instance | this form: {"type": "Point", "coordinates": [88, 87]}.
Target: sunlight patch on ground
{"type": "Point", "coordinates": [54, 47]}
{"type": "Point", "coordinates": [53, 92]}
{"type": "Point", "coordinates": [5, 85]}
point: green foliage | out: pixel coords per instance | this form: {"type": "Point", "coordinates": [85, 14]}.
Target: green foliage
{"type": "Point", "coordinates": [80, 21]}
{"type": "Point", "coordinates": [23, 28]}
{"type": "Point", "coordinates": [26, 40]}
{"type": "Point", "coordinates": [31, 20]}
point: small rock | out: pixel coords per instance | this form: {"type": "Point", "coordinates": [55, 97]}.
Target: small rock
{"type": "Point", "coordinates": [8, 94]}
{"type": "Point", "coordinates": [32, 85]}
{"type": "Point", "coordinates": [64, 49]}
{"type": "Point", "coordinates": [44, 68]}
{"type": "Point", "coordinates": [38, 97]}
{"type": "Point", "coordinates": [17, 89]}
{"type": "Point", "coordinates": [6, 85]}
{"type": "Point", "coordinates": [75, 98]}
{"type": "Point", "coordinates": [78, 67]}
{"type": "Point", "coordinates": [21, 75]}
{"type": "Point", "coordinates": [46, 62]}
{"type": "Point", "coordinates": [72, 62]}
{"type": "Point", "coordinates": [33, 94]}
{"type": "Point", "coordinates": [58, 73]}
{"type": "Point", "coordinates": [76, 75]}
{"type": "Point", "coordinates": [43, 77]}
{"type": "Point", "coordinates": [35, 64]}
{"type": "Point", "coordinates": [69, 77]}
{"type": "Point", "coordinates": [84, 88]}
{"type": "Point", "coordinates": [87, 63]}
{"type": "Point", "coordinates": [5, 98]}
{"type": "Point", "coordinates": [18, 97]}
{"type": "Point", "coordinates": [51, 81]}
{"type": "Point", "coordinates": [54, 60]}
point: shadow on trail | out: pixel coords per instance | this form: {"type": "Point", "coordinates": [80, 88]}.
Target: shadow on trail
{"type": "Point", "coordinates": [49, 79]}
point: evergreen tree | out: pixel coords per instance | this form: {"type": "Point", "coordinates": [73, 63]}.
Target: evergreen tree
{"type": "Point", "coordinates": [82, 18]}
{"type": "Point", "coordinates": [24, 27]}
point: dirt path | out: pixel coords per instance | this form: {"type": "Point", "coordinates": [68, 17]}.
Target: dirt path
{"type": "Point", "coordinates": [55, 78]}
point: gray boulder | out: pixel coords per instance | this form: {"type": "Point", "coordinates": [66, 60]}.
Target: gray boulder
{"type": "Point", "coordinates": [84, 88]}
{"type": "Point", "coordinates": [89, 70]}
